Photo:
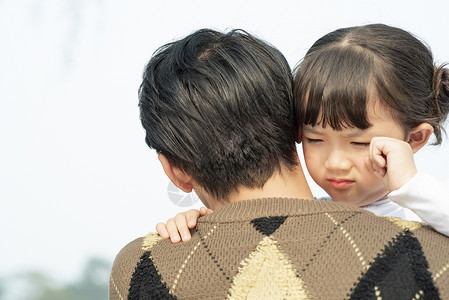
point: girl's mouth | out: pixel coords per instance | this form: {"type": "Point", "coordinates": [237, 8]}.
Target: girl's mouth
{"type": "Point", "coordinates": [339, 183]}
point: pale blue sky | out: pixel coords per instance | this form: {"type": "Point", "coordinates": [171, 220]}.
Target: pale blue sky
{"type": "Point", "coordinates": [76, 178]}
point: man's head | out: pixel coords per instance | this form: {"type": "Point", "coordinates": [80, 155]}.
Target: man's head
{"type": "Point", "coordinates": [219, 108]}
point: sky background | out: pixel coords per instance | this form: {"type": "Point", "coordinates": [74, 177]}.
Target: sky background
{"type": "Point", "coordinates": [76, 177]}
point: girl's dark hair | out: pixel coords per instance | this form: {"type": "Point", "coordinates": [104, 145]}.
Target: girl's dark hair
{"type": "Point", "coordinates": [347, 68]}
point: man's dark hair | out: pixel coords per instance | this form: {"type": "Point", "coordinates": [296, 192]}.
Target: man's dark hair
{"type": "Point", "coordinates": [220, 107]}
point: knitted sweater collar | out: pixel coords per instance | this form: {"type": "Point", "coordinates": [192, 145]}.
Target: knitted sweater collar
{"type": "Point", "coordinates": [266, 207]}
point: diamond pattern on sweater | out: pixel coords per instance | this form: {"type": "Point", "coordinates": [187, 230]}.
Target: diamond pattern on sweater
{"type": "Point", "coordinates": [405, 224]}
{"type": "Point", "coordinates": [268, 225]}
{"type": "Point", "coordinates": [400, 272]}
{"type": "Point", "coordinates": [267, 266]}
{"type": "Point", "coordinates": [146, 282]}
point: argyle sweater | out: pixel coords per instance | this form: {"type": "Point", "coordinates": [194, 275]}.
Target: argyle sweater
{"type": "Point", "coordinates": [288, 249]}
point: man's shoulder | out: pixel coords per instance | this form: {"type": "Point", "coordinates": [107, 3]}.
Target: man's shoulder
{"type": "Point", "coordinates": [126, 262]}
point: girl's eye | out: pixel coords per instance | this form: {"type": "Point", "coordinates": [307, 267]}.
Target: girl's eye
{"type": "Point", "coordinates": [313, 141]}
{"type": "Point", "coordinates": [358, 144]}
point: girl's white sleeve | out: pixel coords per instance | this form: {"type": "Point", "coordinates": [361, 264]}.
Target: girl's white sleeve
{"type": "Point", "coordinates": [427, 197]}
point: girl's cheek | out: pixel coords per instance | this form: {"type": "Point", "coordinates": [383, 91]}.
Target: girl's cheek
{"type": "Point", "coordinates": [361, 159]}
{"type": "Point", "coordinates": [313, 163]}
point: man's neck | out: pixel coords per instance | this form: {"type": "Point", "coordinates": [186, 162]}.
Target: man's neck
{"type": "Point", "coordinates": [284, 184]}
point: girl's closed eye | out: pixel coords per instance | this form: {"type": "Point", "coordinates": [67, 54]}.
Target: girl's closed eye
{"type": "Point", "coordinates": [313, 141]}
{"type": "Point", "coordinates": [360, 144]}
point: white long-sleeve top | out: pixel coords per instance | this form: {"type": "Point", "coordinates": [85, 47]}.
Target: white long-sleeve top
{"type": "Point", "coordinates": [423, 199]}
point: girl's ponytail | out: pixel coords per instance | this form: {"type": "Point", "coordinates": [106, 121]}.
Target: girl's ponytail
{"type": "Point", "coordinates": [440, 104]}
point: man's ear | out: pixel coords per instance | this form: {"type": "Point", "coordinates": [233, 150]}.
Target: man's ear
{"type": "Point", "coordinates": [180, 178]}
{"type": "Point", "coordinates": [419, 136]}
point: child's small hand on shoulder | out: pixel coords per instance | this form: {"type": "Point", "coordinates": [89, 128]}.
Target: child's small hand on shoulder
{"type": "Point", "coordinates": [178, 228]}
{"type": "Point", "coordinates": [393, 160]}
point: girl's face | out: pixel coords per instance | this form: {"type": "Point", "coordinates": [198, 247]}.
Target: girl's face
{"type": "Point", "coordinates": [336, 159]}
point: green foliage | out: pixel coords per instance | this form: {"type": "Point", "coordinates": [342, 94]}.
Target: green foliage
{"type": "Point", "coordinates": [92, 284]}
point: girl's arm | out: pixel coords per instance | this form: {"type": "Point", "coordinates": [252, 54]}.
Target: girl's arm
{"type": "Point", "coordinates": [178, 228]}
{"type": "Point", "coordinates": [427, 197]}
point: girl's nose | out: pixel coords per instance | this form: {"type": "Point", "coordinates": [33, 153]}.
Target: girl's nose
{"type": "Point", "coordinates": [337, 160]}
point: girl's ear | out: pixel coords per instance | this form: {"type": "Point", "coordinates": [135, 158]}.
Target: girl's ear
{"type": "Point", "coordinates": [180, 178]}
{"type": "Point", "coordinates": [419, 136]}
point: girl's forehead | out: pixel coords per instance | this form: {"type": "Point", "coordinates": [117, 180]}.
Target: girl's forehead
{"type": "Point", "coordinates": [377, 109]}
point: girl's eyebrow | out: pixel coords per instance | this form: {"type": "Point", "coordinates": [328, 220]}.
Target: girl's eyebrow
{"type": "Point", "coordinates": [354, 132]}
{"type": "Point", "coordinates": [310, 129]}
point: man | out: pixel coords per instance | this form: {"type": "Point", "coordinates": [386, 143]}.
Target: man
{"type": "Point", "coordinates": [218, 109]}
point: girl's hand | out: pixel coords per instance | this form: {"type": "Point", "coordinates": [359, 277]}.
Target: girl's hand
{"type": "Point", "coordinates": [178, 228]}
{"type": "Point", "coordinates": [391, 159]}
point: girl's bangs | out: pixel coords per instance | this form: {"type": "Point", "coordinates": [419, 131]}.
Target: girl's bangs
{"type": "Point", "coordinates": [337, 84]}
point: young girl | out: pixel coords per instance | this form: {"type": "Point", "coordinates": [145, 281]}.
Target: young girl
{"type": "Point", "coordinates": [368, 97]}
